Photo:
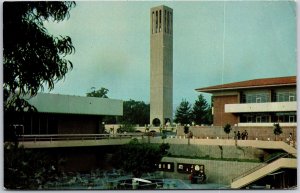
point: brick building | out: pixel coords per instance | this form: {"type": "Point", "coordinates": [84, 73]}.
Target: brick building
{"type": "Point", "coordinates": [258, 102]}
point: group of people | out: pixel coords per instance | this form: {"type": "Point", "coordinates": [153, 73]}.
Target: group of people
{"type": "Point", "coordinates": [243, 136]}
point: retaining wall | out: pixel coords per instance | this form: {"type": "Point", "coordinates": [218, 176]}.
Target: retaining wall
{"type": "Point", "coordinates": [216, 151]}
{"type": "Point", "coordinates": [262, 133]}
{"type": "Point", "coordinates": [220, 172]}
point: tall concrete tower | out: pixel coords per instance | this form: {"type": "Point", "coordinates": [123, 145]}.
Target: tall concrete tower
{"type": "Point", "coordinates": [161, 61]}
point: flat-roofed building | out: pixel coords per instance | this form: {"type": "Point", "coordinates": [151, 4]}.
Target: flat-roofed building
{"type": "Point", "coordinates": [258, 102]}
{"type": "Point", "coordinates": [65, 114]}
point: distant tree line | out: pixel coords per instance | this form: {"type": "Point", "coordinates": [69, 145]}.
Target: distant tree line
{"type": "Point", "coordinates": [199, 113]}
{"type": "Point", "coordinates": [138, 112]}
{"type": "Point", "coordinates": [134, 112]}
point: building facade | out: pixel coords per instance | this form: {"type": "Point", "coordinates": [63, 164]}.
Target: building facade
{"type": "Point", "coordinates": [161, 65]}
{"type": "Point", "coordinates": [63, 114]}
{"type": "Point", "coordinates": [259, 102]}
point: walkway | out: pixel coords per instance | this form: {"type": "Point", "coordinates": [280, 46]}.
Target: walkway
{"type": "Point", "coordinates": [79, 140]}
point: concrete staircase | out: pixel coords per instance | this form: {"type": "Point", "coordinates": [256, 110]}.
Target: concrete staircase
{"type": "Point", "coordinates": [263, 170]}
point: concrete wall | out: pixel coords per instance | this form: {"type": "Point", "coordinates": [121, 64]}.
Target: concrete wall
{"type": "Point", "coordinates": [262, 133]}
{"type": "Point", "coordinates": [161, 66]}
{"type": "Point", "coordinates": [221, 172]}
{"type": "Point", "coordinates": [215, 151]}
{"type": "Point", "coordinates": [261, 107]}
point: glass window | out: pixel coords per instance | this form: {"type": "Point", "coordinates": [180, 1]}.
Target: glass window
{"type": "Point", "coordinates": [257, 98]}
{"type": "Point", "coordinates": [286, 96]}
{"type": "Point", "coordinates": [258, 119]}
{"type": "Point", "coordinates": [292, 119]}
{"type": "Point", "coordinates": [292, 98]}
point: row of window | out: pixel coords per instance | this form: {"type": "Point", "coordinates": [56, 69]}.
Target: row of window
{"type": "Point", "coordinates": [285, 96]}
{"type": "Point", "coordinates": [264, 97]}
{"type": "Point", "coordinates": [257, 98]}
{"type": "Point", "coordinates": [40, 125]}
{"type": "Point", "coordinates": [265, 118]}
{"type": "Point", "coordinates": [157, 23]}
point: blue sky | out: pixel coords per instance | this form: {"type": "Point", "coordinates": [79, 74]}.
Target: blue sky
{"type": "Point", "coordinates": [214, 42]}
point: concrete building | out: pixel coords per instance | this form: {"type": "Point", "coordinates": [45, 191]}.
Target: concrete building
{"type": "Point", "coordinates": [161, 61]}
{"type": "Point", "coordinates": [64, 114]}
{"type": "Point", "coordinates": [259, 102]}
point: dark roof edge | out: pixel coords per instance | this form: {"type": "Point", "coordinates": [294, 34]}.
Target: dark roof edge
{"type": "Point", "coordinates": [238, 88]}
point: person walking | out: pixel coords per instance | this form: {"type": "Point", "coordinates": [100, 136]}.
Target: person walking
{"type": "Point", "coordinates": [235, 138]}
{"type": "Point", "coordinates": [235, 135]}
{"type": "Point", "coordinates": [290, 139]}
{"type": "Point", "coordinates": [238, 135]}
{"type": "Point", "coordinates": [246, 135]}
{"type": "Point", "coordinates": [243, 136]}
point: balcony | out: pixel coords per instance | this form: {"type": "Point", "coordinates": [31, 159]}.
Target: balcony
{"type": "Point", "coordinates": [261, 107]}
{"type": "Point", "coordinates": [266, 124]}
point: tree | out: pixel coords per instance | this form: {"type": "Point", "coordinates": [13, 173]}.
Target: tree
{"type": "Point", "coordinates": [135, 112]}
{"type": "Point", "coordinates": [27, 169]}
{"type": "Point", "coordinates": [183, 113]}
{"type": "Point", "coordinates": [139, 158]}
{"type": "Point", "coordinates": [126, 128]}
{"type": "Point", "coordinates": [186, 129]}
{"type": "Point", "coordinates": [32, 58]}
{"type": "Point", "coordinates": [227, 129]}
{"type": "Point", "coordinates": [100, 93]}
{"type": "Point", "coordinates": [277, 129]}
{"type": "Point", "coordinates": [200, 111]}
{"type": "Point", "coordinates": [209, 115]}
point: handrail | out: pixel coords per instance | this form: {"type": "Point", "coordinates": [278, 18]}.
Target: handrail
{"type": "Point", "coordinates": [282, 155]}
{"type": "Point", "coordinates": [60, 137]}
{"type": "Point", "coordinates": [116, 134]}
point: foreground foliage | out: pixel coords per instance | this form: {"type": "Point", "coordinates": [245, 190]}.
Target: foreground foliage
{"type": "Point", "coordinates": [27, 170]}
{"type": "Point", "coordinates": [32, 57]}
{"type": "Point", "coordinates": [139, 158]}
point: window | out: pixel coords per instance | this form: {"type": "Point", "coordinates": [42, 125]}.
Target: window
{"type": "Point", "coordinates": [43, 124]}
{"type": "Point", "coordinates": [167, 22]}
{"type": "Point", "coordinates": [286, 96]}
{"type": "Point", "coordinates": [152, 21]}
{"type": "Point", "coordinates": [254, 118]}
{"type": "Point", "coordinates": [249, 119]}
{"type": "Point", "coordinates": [258, 119]}
{"type": "Point", "coordinates": [285, 117]}
{"type": "Point", "coordinates": [292, 119]}
{"type": "Point", "coordinates": [257, 97]}
{"type": "Point", "coordinates": [159, 20]}
{"type": "Point", "coordinates": [291, 98]}
{"type": "Point", "coordinates": [171, 23]}
{"type": "Point", "coordinates": [156, 21]}
{"type": "Point", "coordinates": [165, 16]}
{"type": "Point", "coordinates": [258, 100]}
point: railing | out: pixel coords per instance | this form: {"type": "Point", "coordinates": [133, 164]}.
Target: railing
{"type": "Point", "coordinates": [66, 137]}
{"type": "Point", "coordinates": [282, 155]}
